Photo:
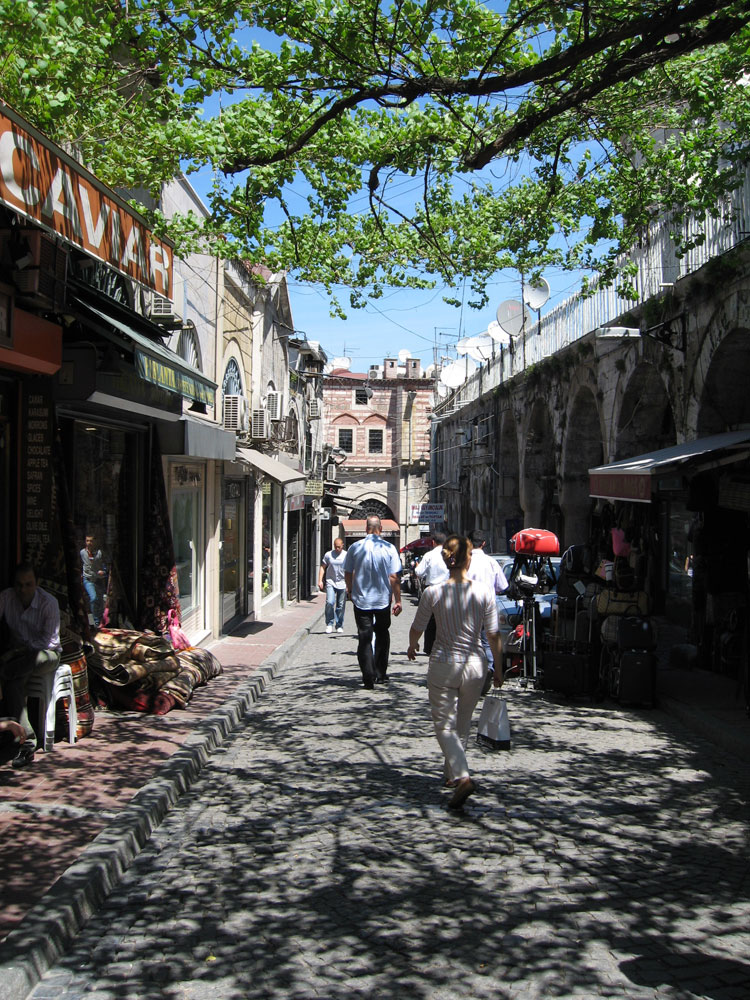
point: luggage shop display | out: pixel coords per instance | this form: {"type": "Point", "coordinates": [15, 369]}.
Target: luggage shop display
{"type": "Point", "coordinates": [535, 541]}
{"type": "Point", "coordinates": [568, 665]}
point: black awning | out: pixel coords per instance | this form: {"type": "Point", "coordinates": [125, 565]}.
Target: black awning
{"type": "Point", "coordinates": [634, 478]}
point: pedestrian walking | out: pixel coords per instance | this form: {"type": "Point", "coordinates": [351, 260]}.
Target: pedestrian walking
{"type": "Point", "coordinates": [431, 569]}
{"type": "Point", "coordinates": [331, 580]}
{"type": "Point", "coordinates": [372, 572]}
{"type": "Point", "coordinates": [457, 669]}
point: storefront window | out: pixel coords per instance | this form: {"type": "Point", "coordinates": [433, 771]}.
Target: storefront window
{"type": "Point", "coordinates": [187, 533]}
{"type": "Point", "coordinates": [105, 486]}
{"type": "Point", "coordinates": [680, 551]}
{"type": "Point", "coordinates": [270, 533]}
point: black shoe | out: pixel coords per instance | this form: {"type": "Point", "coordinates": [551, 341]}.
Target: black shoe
{"type": "Point", "coordinates": [25, 755]}
{"type": "Point", "coordinates": [381, 680]}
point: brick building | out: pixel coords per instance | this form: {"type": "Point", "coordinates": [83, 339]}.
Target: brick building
{"type": "Point", "coordinates": [377, 429]}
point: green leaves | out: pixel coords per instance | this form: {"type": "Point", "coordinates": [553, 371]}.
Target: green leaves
{"type": "Point", "coordinates": [366, 145]}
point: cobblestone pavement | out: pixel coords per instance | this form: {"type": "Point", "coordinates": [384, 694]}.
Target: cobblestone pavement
{"type": "Point", "coordinates": [606, 855]}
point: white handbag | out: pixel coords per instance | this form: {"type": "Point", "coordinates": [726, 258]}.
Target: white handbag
{"type": "Point", "coordinates": [493, 731]}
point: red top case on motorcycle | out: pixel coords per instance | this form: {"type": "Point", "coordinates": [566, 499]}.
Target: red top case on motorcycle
{"type": "Point", "coordinates": [536, 541]}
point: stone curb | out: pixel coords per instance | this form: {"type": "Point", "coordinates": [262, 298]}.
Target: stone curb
{"type": "Point", "coordinates": [51, 925]}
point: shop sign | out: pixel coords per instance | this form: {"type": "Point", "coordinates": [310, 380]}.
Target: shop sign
{"type": "Point", "coordinates": [38, 496]}
{"type": "Point", "coordinates": [314, 488]}
{"type": "Point", "coordinates": [427, 513]}
{"type": "Point", "coordinates": [183, 475]}
{"type": "Point", "coordinates": [166, 377]}
{"type": "Point", "coordinates": [43, 183]}
{"type": "Point", "coordinates": [634, 486]}
{"type": "Point", "coordinates": [296, 502]}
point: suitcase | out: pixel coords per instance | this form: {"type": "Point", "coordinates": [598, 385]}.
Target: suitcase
{"type": "Point", "coordinates": [535, 541]}
{"type": "Point", "coordinates": [632, 678]}
{"type": "Point", "coordinates": [568, 673]}
{"type": "Point", "coordinates": [635, 632]}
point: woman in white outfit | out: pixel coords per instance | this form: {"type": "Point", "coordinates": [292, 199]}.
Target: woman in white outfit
{"type": "Point", "coordinates": [457, 666]}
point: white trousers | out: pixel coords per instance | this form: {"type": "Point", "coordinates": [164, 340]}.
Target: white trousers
{"type": "Point", "coordinates": [454, 690]}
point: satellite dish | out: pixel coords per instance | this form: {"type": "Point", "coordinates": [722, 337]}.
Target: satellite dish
{"type": "Point", "coordinates": [511, 316]}
{"type": "Point", "coordinates": [536, 293]}
{"type": "Point", "coordinates": [442, 390]}
{"type": "Point", "coordinates": [497, 333]}
{"type": "Point", "coordinates": [328, 368]}
{"type": "Point", "coordinates": [454, 374]}
{"type": "Point", "coordinates": [403, 355]}
{"type": "Point", "coordinates": [429, 371]}
{"type": "Point", "coordinates": [342, 363]}
{"type": "Point", "coordinates": [479, 347]}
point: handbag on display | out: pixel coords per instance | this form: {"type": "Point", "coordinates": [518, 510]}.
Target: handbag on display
{"type": "Point", "coordinates": [493, 730]}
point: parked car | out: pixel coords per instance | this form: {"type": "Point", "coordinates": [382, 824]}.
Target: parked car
{"type": "Point", "coordinates": [510, 606]}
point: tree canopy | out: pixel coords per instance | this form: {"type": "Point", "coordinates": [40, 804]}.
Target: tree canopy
{"type": "Point", "coordinates": [364, 143]}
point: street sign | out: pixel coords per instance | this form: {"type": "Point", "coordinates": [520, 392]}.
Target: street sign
{"type": "Point", "coordinates": [426, 513]}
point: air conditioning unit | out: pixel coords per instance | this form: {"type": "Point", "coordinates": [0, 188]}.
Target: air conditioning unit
{"type": "Point", "coordinates": [39, 264]}
{"type": "Point", "coordinates": [274, 405]}
{"type": "Point", "coordinates": [162, 310]}
{"type": "Point", "coordinates": [236, 416]}
{"type": "Point", "coordinates": [259, 424]}
{"type": "Point", "coordinates": [314, 408]}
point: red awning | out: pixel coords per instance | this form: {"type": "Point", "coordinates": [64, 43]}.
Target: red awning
{"type": "Point", "coordinates": [637, 478]}
{"type": "Point", "coordinates": [356, 528]}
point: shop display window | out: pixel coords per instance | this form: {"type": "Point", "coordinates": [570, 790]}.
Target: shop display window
{"type": "Point", "coordinates": [270, 532]}
{"type": "Point", "coordinates": [186, 515]}
{"type": "Point", "coordinates": [105, 483]}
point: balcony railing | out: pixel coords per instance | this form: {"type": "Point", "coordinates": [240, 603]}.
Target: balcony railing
{"type": "Point", "coordinates": [658, 266]}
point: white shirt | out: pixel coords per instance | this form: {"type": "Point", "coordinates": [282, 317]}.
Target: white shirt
{"type": "Point", "coordinates": [36, 627]}
{"type": "Point", "coordinates": [461, 610]}
{"type": "Point", "coordinates": [334, 564]}
{"type": "Point", "coordinates": [487, 571]}
{"type": "Point", "coordinates": [432, 567]}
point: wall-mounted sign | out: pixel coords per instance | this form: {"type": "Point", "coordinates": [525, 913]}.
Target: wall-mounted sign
{"type": "Point", "coordinates": [426, 513]}
{"type": "Point", "coordinates": [43, 183]}
{"type": "Point", "coordinates": [314, 488]}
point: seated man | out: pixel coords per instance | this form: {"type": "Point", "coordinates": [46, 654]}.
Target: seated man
{"type": "Point", "coordinates": [32, 617]}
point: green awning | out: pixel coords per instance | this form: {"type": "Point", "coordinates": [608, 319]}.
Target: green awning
{"type": "Point", "coordinates": [156, 363]}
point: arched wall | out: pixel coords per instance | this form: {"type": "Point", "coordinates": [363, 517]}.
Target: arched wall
{"type": "Point", "coordinates": [583, 449]}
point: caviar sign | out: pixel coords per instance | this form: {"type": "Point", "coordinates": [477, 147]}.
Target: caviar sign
{"type": "Point", "coordinates": [44, 184]}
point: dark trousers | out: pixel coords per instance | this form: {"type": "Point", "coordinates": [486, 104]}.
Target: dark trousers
{"type": "Point", "coordinates": [15, 668]}
{"type": "Point", "coordinates": [374, 665]}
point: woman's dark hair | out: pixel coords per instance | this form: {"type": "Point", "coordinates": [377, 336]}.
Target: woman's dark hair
{"type": "Point", "coordinates": [457, 552]}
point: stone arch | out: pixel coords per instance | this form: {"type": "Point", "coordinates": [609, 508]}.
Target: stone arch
{"type": "Point", "coordinates": [539, 481]}
{"type": "Point", "coordinates": [724, 403]}
{"type": "Point", "coordinates": [372, 506]}
{"type": "Point", "coordinates": [582, 450]}
{"type": "Point", "coordinates": [645, 421]}
{"type": "Point", "coordinates": [507, 501]}
{"type": "Point", "coordinates": [723, 335]}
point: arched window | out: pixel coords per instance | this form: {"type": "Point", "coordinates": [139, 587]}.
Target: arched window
{"type": "Point", "coordinates": [232, 383]}
{"type": "Point", "coordinates": [188, 347]}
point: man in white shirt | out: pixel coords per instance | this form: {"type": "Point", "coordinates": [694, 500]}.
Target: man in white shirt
{"type": "Point", "coordinates": [487, 571]}
{"type": "Point", "coordinates": [32, 617]}
{"type": "Point", "coordinates": [331, 580]}
{"type": "Point", "coordinates": [431, 569]}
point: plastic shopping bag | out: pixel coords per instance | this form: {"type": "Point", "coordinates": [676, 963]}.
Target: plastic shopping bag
{"type": "Point", "coordinates": [493, 731]}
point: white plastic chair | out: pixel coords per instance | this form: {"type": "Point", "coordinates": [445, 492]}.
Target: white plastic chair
{"type": "Point", "coordinates": [49, 687]}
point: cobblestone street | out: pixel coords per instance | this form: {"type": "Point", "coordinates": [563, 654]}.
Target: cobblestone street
{"type": "Point", "coordinates": [606, 855]}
